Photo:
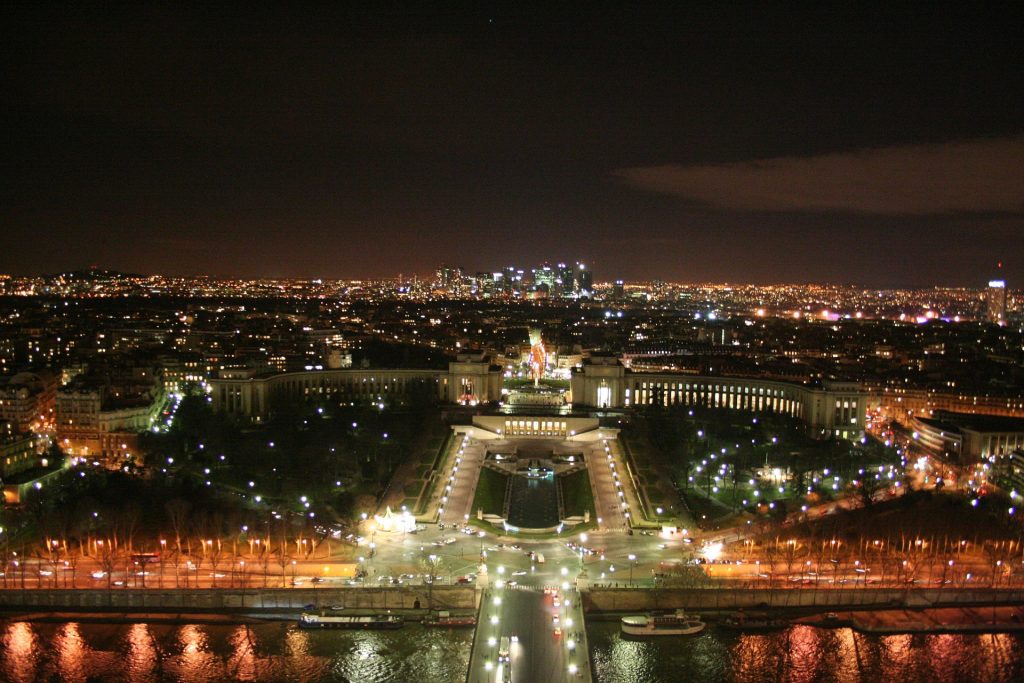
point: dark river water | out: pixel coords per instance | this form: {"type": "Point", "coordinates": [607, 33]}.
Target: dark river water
{"type": "Point", "coordinates": [83, 653]}
{"type": "Point", "coordinates": [804, 653]}
{"type": "Point", "coordinates": [267, 652]}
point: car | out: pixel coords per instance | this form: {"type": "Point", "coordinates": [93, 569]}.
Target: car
{"type": "Point", "coordinates": [316, 579]}
{"type": "Point", "coordinates": [465, 579]}
{"type": "Point", "coordinates": [98, 574]}
{"type": "Point", "coordinates": [519, 573]}
{"type": "Point", "coordinates": [337, 608]}
{"type": "Point", "coordinates": [503, 650]}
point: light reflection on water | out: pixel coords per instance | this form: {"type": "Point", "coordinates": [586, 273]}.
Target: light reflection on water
{"type": "Point", "coordinates": [151, 653]}
{"type": "Point", "coordinates": [803, 654]}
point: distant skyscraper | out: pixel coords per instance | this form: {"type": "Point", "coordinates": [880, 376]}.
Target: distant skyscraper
{"type": "Point", "coordinates": [996, 300]}
{"type": "Point", "coordinates": [584, 280]}
{"type": "Point", "coordinates": [544, 277]}
{"type": "Point", "coordinates": [450, 277]}
{"type": "Point", "coordinates": [619, 290]}
{"type": "Point", "coordinates": [513, 280]}
{"type": "Point", "coordinates": [566, 279]}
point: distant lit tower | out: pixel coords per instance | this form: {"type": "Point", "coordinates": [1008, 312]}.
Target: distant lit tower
{"type": "Point", "coordinates": [995, 297]}
{"type": "Point", "coordinates": [566, 279]}
{"type": "Point", "coordinates": [584, 280]}
{"type": "Point", "coordinates": [544, 277]}
{"type": "Point", "coordinates": [619, 290]}
{"type": "Point", "coordinates": [450, 277]}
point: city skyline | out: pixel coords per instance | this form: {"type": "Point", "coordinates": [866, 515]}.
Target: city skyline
{"type": "Point", "coordinates": [739, 145]}
{"type": "Point", "coordinates": [471, 274]}
{"type": "Point", "coordinates": [491, 343]}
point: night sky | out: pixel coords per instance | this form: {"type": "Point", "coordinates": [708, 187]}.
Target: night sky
{"type": "Point", "coordinates": [742, 145]}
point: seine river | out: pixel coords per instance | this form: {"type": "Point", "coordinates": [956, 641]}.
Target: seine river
{"type": "Point", "coordinates": [71, 652]}
{"type": "Point", "coordinates": [804, 654]}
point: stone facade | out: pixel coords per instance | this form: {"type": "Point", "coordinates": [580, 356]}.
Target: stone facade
{"type": "Point", "coordinates": [470, 379]}
{"type": "Point", "coordinates": [835, 409]}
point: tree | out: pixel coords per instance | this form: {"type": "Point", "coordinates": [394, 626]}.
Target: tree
{"type": "Point", "coordinates": [867, 486]}
{"type": "Point", "coordinates": [177, 514]}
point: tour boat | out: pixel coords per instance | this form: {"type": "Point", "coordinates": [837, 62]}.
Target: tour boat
{"type": "Point", "coordinates": [678, 624]}
{"type": "Point", "coordinates": [375, 621]}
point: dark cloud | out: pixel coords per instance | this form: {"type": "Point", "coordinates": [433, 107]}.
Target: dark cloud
{"type": "Point", "coordinates": [974, 176]}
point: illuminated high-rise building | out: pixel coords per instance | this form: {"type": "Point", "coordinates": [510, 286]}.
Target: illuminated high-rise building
{"type": "Point", "coordinates": [566, 280]}
{"type": "Point", "coordinates": [584, 280]}
{"type": "Point", "coordinates": [544, 278]}
{"type": "Point", "coordinates": [995, 298]}
{"type": "Point", "coordinates": [450, 277]}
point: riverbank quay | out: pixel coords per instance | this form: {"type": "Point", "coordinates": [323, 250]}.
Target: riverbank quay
{"type": "Point", "coordinates": [210, 617]}
{"type": "Point", "coordinates": [239, 601]}
{"type": "Point", "coordinates": [622, 600]}
{"type": "Point", "coordinates": [992, 619]}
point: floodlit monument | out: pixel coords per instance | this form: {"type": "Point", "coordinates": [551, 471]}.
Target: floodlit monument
{"type": "Point", "coordinates": [538, 356]}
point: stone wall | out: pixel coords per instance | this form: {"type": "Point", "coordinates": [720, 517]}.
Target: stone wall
{"type": "Point", "coordinates": [446, 597]}
{"type": "Point", "coordinates": [640, 600]}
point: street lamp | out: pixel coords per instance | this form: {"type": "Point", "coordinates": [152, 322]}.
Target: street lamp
{"type": "Point", "coordinates": [433, 577]}
{"type": "Point", "coordinates": [632, 563]}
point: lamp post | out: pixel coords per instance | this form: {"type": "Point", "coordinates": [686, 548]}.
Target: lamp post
{"type": "Point", "coordinates": [433, 577]}
{"type": "Point", "coordinates": [632, 563]}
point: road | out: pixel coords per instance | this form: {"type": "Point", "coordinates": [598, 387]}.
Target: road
{"type": "Point", "coordinates": [547, 639]}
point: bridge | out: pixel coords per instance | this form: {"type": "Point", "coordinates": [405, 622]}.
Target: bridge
{"type": "Point", "coordinates": [545, 632]}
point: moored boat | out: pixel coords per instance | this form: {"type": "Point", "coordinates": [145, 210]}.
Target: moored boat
{"type": "Point", "coordinates": [753, 621]}
{"type": "Point", "coordinates": [677, 624]}
{"type": "Point", "coordinates": [373, 621]}
{"type": "Point", "coordinates": [447, 619]}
